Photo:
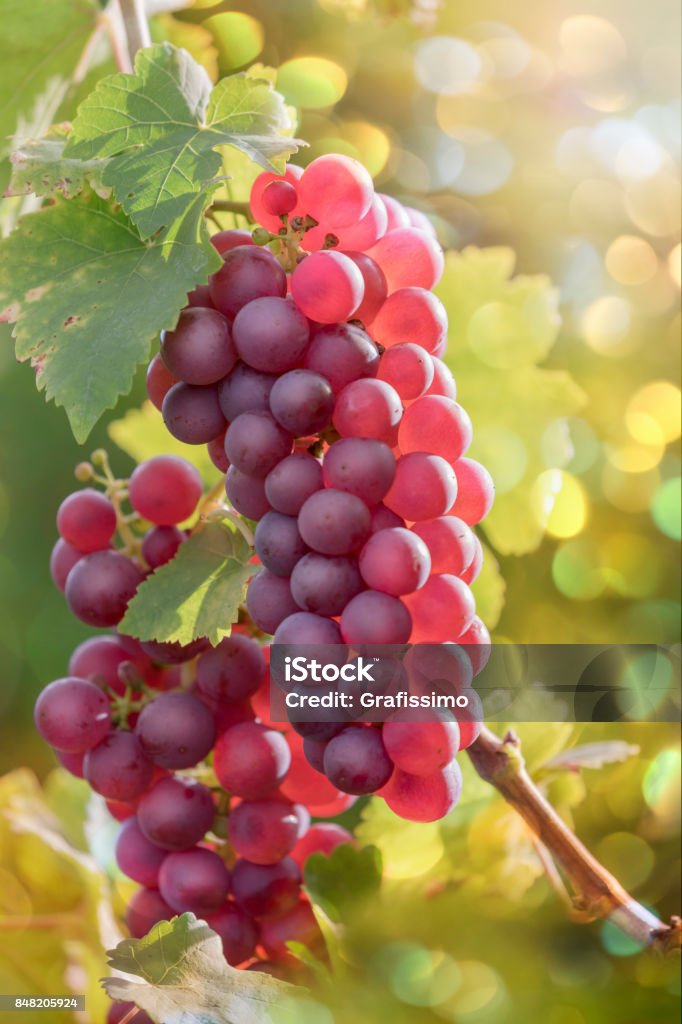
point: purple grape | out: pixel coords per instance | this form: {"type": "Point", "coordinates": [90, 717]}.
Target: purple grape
{"type": "Point", "coordinates": [269, 600]}
{"type": "Point", "coordinates": [292, 482]}
{"type": "Point", "coordinates": [342, 353]}
{"type": "Point", "coordinates": [100, 586]}
{"type": "Point", "coordinates": [278, 543]}
{"type": "Point", "coordinates": [271, 334]}
{"type": "Point", "coordinates": [176, 813]}
{"type": "Point", "coordinates": [245, 390]}
{"type": "Point", "coordinates": [361, 466]}
{"type": "Point", "coordinates": [306, 628]}
{"type": "Point", "coordinates": [334, 522]}
{"type": "Point", "coordinates": [255, 443]}
{"type": "Point", "coordinates": [232, 671]}
{"type": "Point", "coordinates": [246, 494]}
{"type": "Point", "coordinates": [194, 880]}
{"type": "Point", "coordinates": [200, 349]}
{"type": "Point", "coordinates": [160, 545]}
{"type": "Point", "coordinates": [355, 761]}
{"type": "Point", "coordinates": [263, 831]}
{"type": "Point", "coordinates": [118, 768]}
{"type": "Point", "coordinates": [302, 402]}
{"type": "Point", "coordinates": [192, 414]}
{"type": "Point", "coordinates": [266, 890]}
{"type": "Point", "coordinates": [176, 730]}
{"type": "Point", "coordinates": [146, 908]}
{"type": "Point", "coordinates": [237, 930]}
{"type": "Point", "coordinates": [136, 856]}
{"type": "Point", "coordinates": [324, 584]}
{"type": "Point", "coordinates": [172, 653]}
{"type": "Point", "coordinates": [248, 272]}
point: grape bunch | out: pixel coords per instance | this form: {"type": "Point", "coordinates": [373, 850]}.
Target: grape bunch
{"type": "Point", "coordinates": [310, 365]}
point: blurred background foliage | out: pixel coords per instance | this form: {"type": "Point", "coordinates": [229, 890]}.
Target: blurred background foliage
{"type": "Point", "coordinates": [548, 134]}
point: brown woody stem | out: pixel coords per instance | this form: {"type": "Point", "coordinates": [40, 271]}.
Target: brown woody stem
{"type": "Point", "coordinates": [596, 894]}
{"type": "Point", "coordinates": [232, 206]}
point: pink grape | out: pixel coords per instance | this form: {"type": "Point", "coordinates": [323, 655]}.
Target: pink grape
{"type": "Point", "coordinates": [263, 831]}
{"type": "Point", "coordinates": [443, 380]}
{"type": "Point", "coordinates": [361, 466]}
{"type": "Point", "coordinates": [292, 175]}
{"type": "Point", "coordinates": [476, 639]}
{"type": "Point", "coordinates": [165, 489]}
{"type": "Point", "coordinates": [436, 425]}
{"type": "Point", "coordinates": [396, 212]}
{"type": "Point", "coordinates": [100, 658]}
{"type": "Point", "coordinates": [87, 520]}
{"type": "Point", "coordinates": [327, 287]}
{"type": "Point", "coordinates": [72, 715]}
{"type": "Point", "coordinates": [408, 368]}
{"type": "Point", "coordinates": [199, 297]}
{"type": "Point", "coordinates": [376, 288]}
{"type": "Point", "coordinates": [305, 628]}
{"type": "Point", "coordinates": [62, 560]}
{"type": "Point", "coordinates": [297, 925]}
{"type": "Point", "coordinates": [368, 408]}
{"type": "Point", "coordinates": [384, 519]}
{"type": "Point", "coordinates": [322, 837]}
{"type": "Point", "coordinates": [410, 314]}
{"type": "Point", "coordinates": [424, 797]}
{"type": "Point", "coordinates": [223, 241]}
{"type": "Point", "coordinates": [270, 334]}
{"type": "Point", "coordinates": [194, 880]}
{"type": "Point", "coordinates": [375, 618]}
{"type": "Point", "coordinates": [279, 198]}
{"type": "Point", "coordinates": [367, 231]}
{"type": "Point", "coordinates": [216, 453]}
{"type": "Point", "coordinates": [395, 562]}
{"type": "Point", "coordinates": [336, 189]}
{"type": "Point", "coordinates": [476, 564]}
{"type": "Point", "coordinates": [441, 611]}
{"type": "Point", "coordinates": [450, 541]}
{"type": "Point", "coordinates": [250, 760]}
{"type": "Point", "coordinates": [425, 486]}
{"type": "Point", "coordinates": [334, 522]}
{"type": "Point", "coordinates": [421, 748]}
{"type": "Point", "coordinates": [409, 257]}
{"type": "Point", "coordinates": [419, 220]}
{"type": "Point", "coordinates": [475, 491]}
{"type": "Point", "coordinates": [248, 272]}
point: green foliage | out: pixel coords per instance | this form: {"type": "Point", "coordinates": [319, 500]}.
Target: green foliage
{"type": "Point", "coordinates": [54, 901]}
{"type": "Point", "coordinates": [160, 128]}
{"type": "Point", "coordinates": [39, 166]}
{"type": "Point", "coordinates": [489, 589]}
{"type": "Point", "coordinates": [344, 879]}
{"type": "Point", "coordinates": [77, 279]}
{"type": "Point", "coordinates": [196, 594]}
{"type": "Point", "coordinates": [38, 56]}
{"type": "Point", "coordinates": [500, 327]}
{"type": "Point", "coordinates": [186, 978]}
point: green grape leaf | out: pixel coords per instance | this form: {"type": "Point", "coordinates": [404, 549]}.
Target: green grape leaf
{"type": "Point", "coordinates": [185, 978]}
{"type": "Point", "coordinates": [500, 328]}
{"type": "Point", "coordinates": [38, 52]}
{"type": "Point", "coordinates": [408, 849]}
{"type": "Point", "coordinates": [343, 879]}
{"type": "Point", "coordinates": [160, 128]}
{"type": "Point", "coordinates": [39, 166]}
{"type": "Point", "coordinates": [88, 296]}
{"type": "Point", "coordinates": [141, 434]}
{"type": "Point", "coordinates": [197, 593]}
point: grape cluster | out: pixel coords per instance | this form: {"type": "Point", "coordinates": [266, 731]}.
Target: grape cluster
{"type": "Point", "coordinates": [310, 366]}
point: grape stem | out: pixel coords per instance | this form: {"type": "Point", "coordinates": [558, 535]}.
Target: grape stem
{"type": "Point", "coordinates": [232, 206]}
{"type": "Point", "coordinates": [136, 26]}
{"type": "Point", "coordinates": [595, 893]}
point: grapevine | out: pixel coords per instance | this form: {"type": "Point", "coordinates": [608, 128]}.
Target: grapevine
{"type": "Point", "coordinates": [302, 349]}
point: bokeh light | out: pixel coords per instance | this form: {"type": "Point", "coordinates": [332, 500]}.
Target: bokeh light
{"type": "Point", "coordinates": [560, 503]}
